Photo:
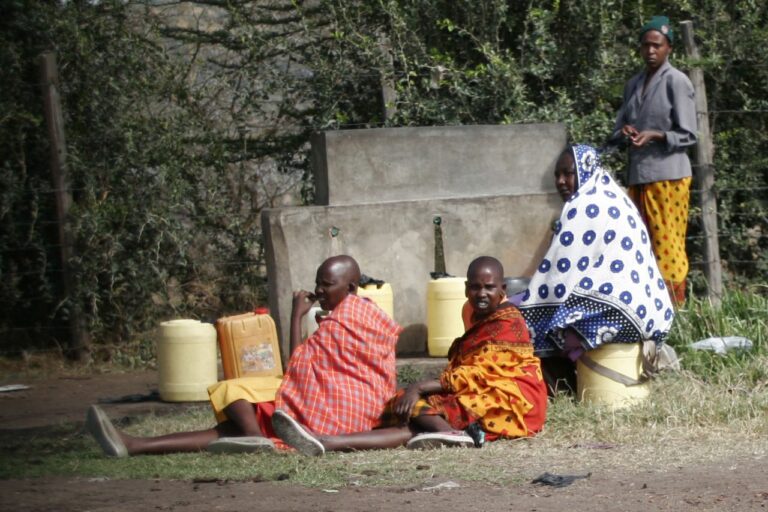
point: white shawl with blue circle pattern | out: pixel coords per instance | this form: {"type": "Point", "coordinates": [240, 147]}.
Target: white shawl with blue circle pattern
{"type": "Point", "coordinates": [599, 276]}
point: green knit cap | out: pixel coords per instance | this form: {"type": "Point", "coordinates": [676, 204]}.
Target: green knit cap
{"type": "Point", "coordinates": [661, 24]}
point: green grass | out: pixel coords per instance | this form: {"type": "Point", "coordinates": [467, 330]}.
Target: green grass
{"type": "Point", "coordinates": [715, 408]}
{"type": "Point", "coordinates": [741, 314]}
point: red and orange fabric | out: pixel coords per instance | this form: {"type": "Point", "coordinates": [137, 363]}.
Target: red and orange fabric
{"type": "Point", "coordinates": [492, 377]}
{"type": "Point", "coordinates": [340, 378]}
{"type": "Point", "coordinates": [663, 205]}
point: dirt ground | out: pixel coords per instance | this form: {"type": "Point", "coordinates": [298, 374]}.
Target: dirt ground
{"type": "Point", "coordinates": [730, 485]}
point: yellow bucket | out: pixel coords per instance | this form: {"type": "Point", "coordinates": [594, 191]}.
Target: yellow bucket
{"type": "Point", "coordinates": [624, 358]}
{"type": "Point", "coordinates": [186, 359]}
{"type": "Point", "coordinates": [445, 298]}
{"type": "Point", "coordinates": [382, 296]}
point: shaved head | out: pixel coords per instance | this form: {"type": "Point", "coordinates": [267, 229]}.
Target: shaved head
{"type": "Point", "coordinates": [485, 288]}
{"type": "Point", "coordinates": [486, 264]}
{"type": "Point", "coordinates": [342, 267]}
{"type": "Point", "coordinates": [337, 277]}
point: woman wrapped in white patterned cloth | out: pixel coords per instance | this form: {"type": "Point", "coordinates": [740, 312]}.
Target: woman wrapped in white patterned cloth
{"type": "Point", "coordinates": [599, 282]}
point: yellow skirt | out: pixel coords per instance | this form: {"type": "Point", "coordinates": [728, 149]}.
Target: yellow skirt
{"type": "Point", "coordinates": [251, 389]}
{"type": "Point", "coordinates": [663, 206]}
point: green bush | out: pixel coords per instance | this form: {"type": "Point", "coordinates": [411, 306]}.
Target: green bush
{"type": "Point", "coordinates": [157, 226]}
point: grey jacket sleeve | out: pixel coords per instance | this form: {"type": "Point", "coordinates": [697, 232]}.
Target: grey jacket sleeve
{"type": "Point", "coordinates": [683, 132]}
{"type": "Point", "coordinates": [616, 137]}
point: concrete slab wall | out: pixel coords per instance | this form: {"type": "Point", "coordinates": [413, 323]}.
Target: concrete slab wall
{"type": "Point", "coordinates": [401, 164]}
{"type": "Point", "coordinates": [395, 242]}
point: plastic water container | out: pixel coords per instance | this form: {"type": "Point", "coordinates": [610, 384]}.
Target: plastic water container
{"type": "Point", "coordinates": [310, 321]}
{"type": "Point", "coordinates": [624, 358]}
{"type": "Point", "coordinates": [516, 287]}
{"type": "Point", "coordinates": [382, 296]}
{"type": "Point", "coordinates": [186, 357]}
{"type": "Point", "coordinates": [249, 346]}
{"type": "Point", "coordinates": [445, 298]}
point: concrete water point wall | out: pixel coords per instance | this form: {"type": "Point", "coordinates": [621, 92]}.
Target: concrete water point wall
{"type": "Point", "coordinates": [402, 164]}
{"type": "Point", "coordinates": [395, 242]}
{"type": "Point", "coordinates": [379, 192]}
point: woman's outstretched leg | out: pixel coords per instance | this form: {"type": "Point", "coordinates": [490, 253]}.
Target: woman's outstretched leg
{"type": "Point", "coordinates": [119, 444]}
{"type": "Point", "coordinates": [390, 437]}
{"type": "Point", "coordinates": [431, 423]}
{"type": "Point", "coordinates": [178, 442]}
{"type": "Point", "coordinates": [299, 437]}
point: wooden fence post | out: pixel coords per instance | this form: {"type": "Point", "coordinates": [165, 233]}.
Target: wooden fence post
{"type": "Point", "coordinates": [55, 121]}
{"type": "Point", "coordinates": [388, 90]}
{"type": "Point", "coordinates": [705, 171]}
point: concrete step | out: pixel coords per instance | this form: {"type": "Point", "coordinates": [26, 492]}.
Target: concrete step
{"type": "Point", "coordinates": [413, 369]}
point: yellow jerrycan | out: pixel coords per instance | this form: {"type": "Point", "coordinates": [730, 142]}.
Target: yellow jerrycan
{"type": "Point", "coordinates": [186, 359]}
{"type": "Point", "coordinates": [445, 298]}
{"type": "Point", "coordinates": [381, 295]}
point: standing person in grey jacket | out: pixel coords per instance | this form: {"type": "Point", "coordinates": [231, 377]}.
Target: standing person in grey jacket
{"type": "Point", "coordinates": [658, 122]}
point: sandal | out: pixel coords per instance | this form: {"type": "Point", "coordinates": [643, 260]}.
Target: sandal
{"type": "Point", "coordinates": [289, 430]}
{"type": "Point", "coordinates": [98, 424]}
{"type": "Point", "coordinates": [430, 440]}
{"type": "Point", "coordinates": [243, 444]}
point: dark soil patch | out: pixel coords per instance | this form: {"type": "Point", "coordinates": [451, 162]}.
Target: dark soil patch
{"type": "Point", "coordinates": [739, 486]}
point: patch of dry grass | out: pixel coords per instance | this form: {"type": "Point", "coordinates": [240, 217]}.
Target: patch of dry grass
{"type": "Point", "coordinates": [687, 421]}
